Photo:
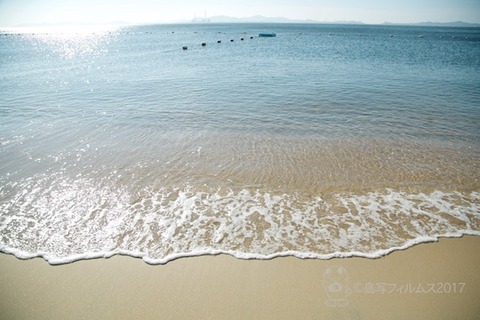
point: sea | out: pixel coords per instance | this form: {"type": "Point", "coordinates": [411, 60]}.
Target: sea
{"type": "Point", "coordinates": [325, 141]}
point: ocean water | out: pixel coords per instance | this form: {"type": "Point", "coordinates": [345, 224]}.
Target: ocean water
{"type": "Point", "coordinates": [324, 141]}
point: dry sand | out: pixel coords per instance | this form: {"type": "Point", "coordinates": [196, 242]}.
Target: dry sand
{"type": "Point", "coordinates": [429, 281]}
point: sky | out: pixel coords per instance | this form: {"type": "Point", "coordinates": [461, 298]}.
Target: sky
{"type": "Point", "coordinates": [18, 12]}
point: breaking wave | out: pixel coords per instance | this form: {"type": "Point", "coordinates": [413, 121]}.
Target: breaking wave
{"type": "Point", "coordinates": [80, 219]}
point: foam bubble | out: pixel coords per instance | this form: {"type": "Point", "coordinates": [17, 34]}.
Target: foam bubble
{"type": "Point", "coordinates": [67, 220]}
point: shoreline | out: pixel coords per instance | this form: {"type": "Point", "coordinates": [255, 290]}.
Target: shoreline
{"type": "Point", "coordinates": [237, 254]}
{"type": "Point", "coordinates": [436, 280]}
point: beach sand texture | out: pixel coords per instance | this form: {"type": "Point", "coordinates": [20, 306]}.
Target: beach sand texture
{"type": "Point", "coordinates": [429, 281]}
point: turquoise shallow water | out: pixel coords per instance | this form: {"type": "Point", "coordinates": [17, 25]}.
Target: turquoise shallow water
{"type": "Point", "coordinates": [326, 140]}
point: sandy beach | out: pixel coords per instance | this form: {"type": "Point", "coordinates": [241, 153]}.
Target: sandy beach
{"type": "Point", "coordinates": [327, 139]}
{"type": "Point", "coordinates": [429, 281]}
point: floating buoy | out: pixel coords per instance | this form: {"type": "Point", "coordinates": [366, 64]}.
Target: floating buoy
{"type": "Point", "coordinates": [231, 40]}
{"type": "Point", "coordinates": [251, 37]}
{"type": "Point", "coordinates": [185, 48]}
{"type": "Point", "coordinates": [203, 44]}
{"type": "Point", "coordinates": [219, 41]}
{"type": "Point", "coordinates": [241, 39]}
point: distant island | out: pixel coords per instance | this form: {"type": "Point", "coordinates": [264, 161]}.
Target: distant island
{"type": "Point", "coordinates": [262, 19]}
{"type": "Point", "coordinates": [437, 24]}
{"type": "Point", "coordinates": [253, 19]}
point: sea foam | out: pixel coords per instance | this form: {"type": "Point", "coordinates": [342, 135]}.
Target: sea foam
{"type": "Point", "coordinates": [78, 219]}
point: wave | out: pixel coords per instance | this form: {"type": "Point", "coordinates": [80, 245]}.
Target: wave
{"type": "Point", "coordinates": [68, 220]}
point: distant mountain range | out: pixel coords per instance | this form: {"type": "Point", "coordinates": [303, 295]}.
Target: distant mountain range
{"type": "Point", "coordinates": [262, 19]}
{"type": "Point", "coordinates": [438, 24]}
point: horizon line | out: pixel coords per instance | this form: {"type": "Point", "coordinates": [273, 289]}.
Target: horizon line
{"type": "Point", "coordinates": [239, 20]}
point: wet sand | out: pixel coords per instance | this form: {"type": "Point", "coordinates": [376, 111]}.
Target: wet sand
{"type": "Point", "coordinates": [429, 281]}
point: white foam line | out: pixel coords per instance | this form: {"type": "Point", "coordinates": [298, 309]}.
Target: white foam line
{"type": "Point", "coordinates": [81, 220]}
{"type": "Point", "coordinates": [237, 254]}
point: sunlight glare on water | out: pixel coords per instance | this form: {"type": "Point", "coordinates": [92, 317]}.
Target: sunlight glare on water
{"type": "Point", "coordinates": [327, 140]}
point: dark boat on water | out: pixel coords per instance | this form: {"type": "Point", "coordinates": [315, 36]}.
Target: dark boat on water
{"type": "Point", "coordinates": [267, 35]}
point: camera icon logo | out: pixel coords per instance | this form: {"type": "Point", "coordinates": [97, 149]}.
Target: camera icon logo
{"type": "Point", "coordinates": [336, 285]}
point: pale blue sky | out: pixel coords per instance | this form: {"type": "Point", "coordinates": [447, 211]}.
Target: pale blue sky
{"type": "Point", "coordinates": [14, 12]}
